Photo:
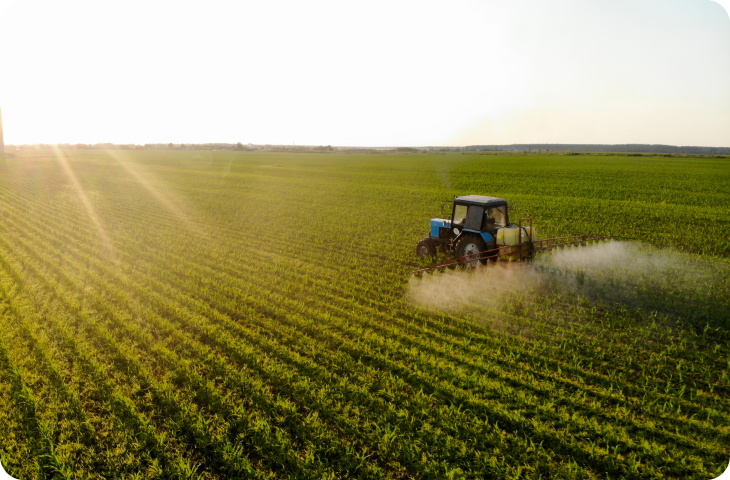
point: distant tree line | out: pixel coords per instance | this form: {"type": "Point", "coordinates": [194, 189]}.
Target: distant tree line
{"type": "Point", "coordinates": [517, 147]}
{"type": "Point", "coordinates": [619, 148]}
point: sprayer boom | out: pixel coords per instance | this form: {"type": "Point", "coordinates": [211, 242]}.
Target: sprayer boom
{"type": "Point", "coordinates": [519, 252]}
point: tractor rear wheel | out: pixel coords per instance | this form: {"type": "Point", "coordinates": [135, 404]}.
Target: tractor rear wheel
{"type": "Point", "coordinates": [469, 246]}
{"type": "Point", "coordinates": [426, 248]}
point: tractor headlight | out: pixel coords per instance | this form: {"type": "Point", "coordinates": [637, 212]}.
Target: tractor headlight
{"type": "Point", "coordinates": [456, 231]}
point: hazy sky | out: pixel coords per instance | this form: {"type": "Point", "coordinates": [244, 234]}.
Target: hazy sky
{"type": "Point", "coordinates": [366, 73]}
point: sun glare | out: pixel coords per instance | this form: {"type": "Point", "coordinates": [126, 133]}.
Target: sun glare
{"type": "Point", "coordinates": [385, 74]}
{"type": "Point", "coordinates": [168, 199]}
{"type": "Point", "coordinates": [73, 179]}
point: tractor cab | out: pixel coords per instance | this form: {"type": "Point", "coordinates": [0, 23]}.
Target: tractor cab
{"type": "Point", "coordinates": [471, 227]}
{"type": "Point", "coordinates": [479, 214]}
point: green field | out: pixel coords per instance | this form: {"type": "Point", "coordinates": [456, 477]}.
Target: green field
{"type": "Point", "coordinates": [252, 315]}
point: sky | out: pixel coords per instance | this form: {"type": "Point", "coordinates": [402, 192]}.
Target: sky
{"type": "Point", "coordinates": [376, 73]}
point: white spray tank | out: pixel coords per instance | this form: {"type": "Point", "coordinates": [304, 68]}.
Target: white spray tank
{"type": "Point", "coordinates": [510, 238]}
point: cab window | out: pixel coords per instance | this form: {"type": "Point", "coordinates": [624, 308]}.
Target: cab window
{"type": "Point", "coordinates": [500, 215]}
{"type": "Point", "coordinates": [460, 214]}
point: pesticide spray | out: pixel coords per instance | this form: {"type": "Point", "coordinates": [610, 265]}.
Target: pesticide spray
{"type": "Point", "coordinates": [611, 273]}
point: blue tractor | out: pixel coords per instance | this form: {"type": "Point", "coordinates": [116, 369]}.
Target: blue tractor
{"type": "Point", "coordinates": [475, 224]}
{"type": "Point", "coordinates": [478, 230]}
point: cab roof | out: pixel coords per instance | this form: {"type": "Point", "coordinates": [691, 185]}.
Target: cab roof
{"type": "Point", "coordinates": [481, 200]}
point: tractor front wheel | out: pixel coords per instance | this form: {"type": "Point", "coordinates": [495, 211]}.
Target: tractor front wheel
{"type": "Point", "coordinates": [426, 248]}
{"type": "Point", "coordinates": [469, 246]}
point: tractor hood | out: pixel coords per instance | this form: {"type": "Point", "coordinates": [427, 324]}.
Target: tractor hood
{"type": "Point", "coordinates": [437, 223]}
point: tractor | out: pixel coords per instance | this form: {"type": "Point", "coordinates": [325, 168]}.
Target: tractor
{"type": "Point", "coordinates": [474, 226]}
{"type": "Point", "coordinates": [478, 230]}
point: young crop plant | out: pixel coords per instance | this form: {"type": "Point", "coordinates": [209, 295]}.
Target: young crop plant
{"type": "Point", "coordinates": [157, 322]}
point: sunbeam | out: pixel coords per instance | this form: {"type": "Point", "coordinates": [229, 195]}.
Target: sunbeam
{"type": "Point", "coordinates": [71, 175]}
{"type": "Point", "coordinates": [144, 179]}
